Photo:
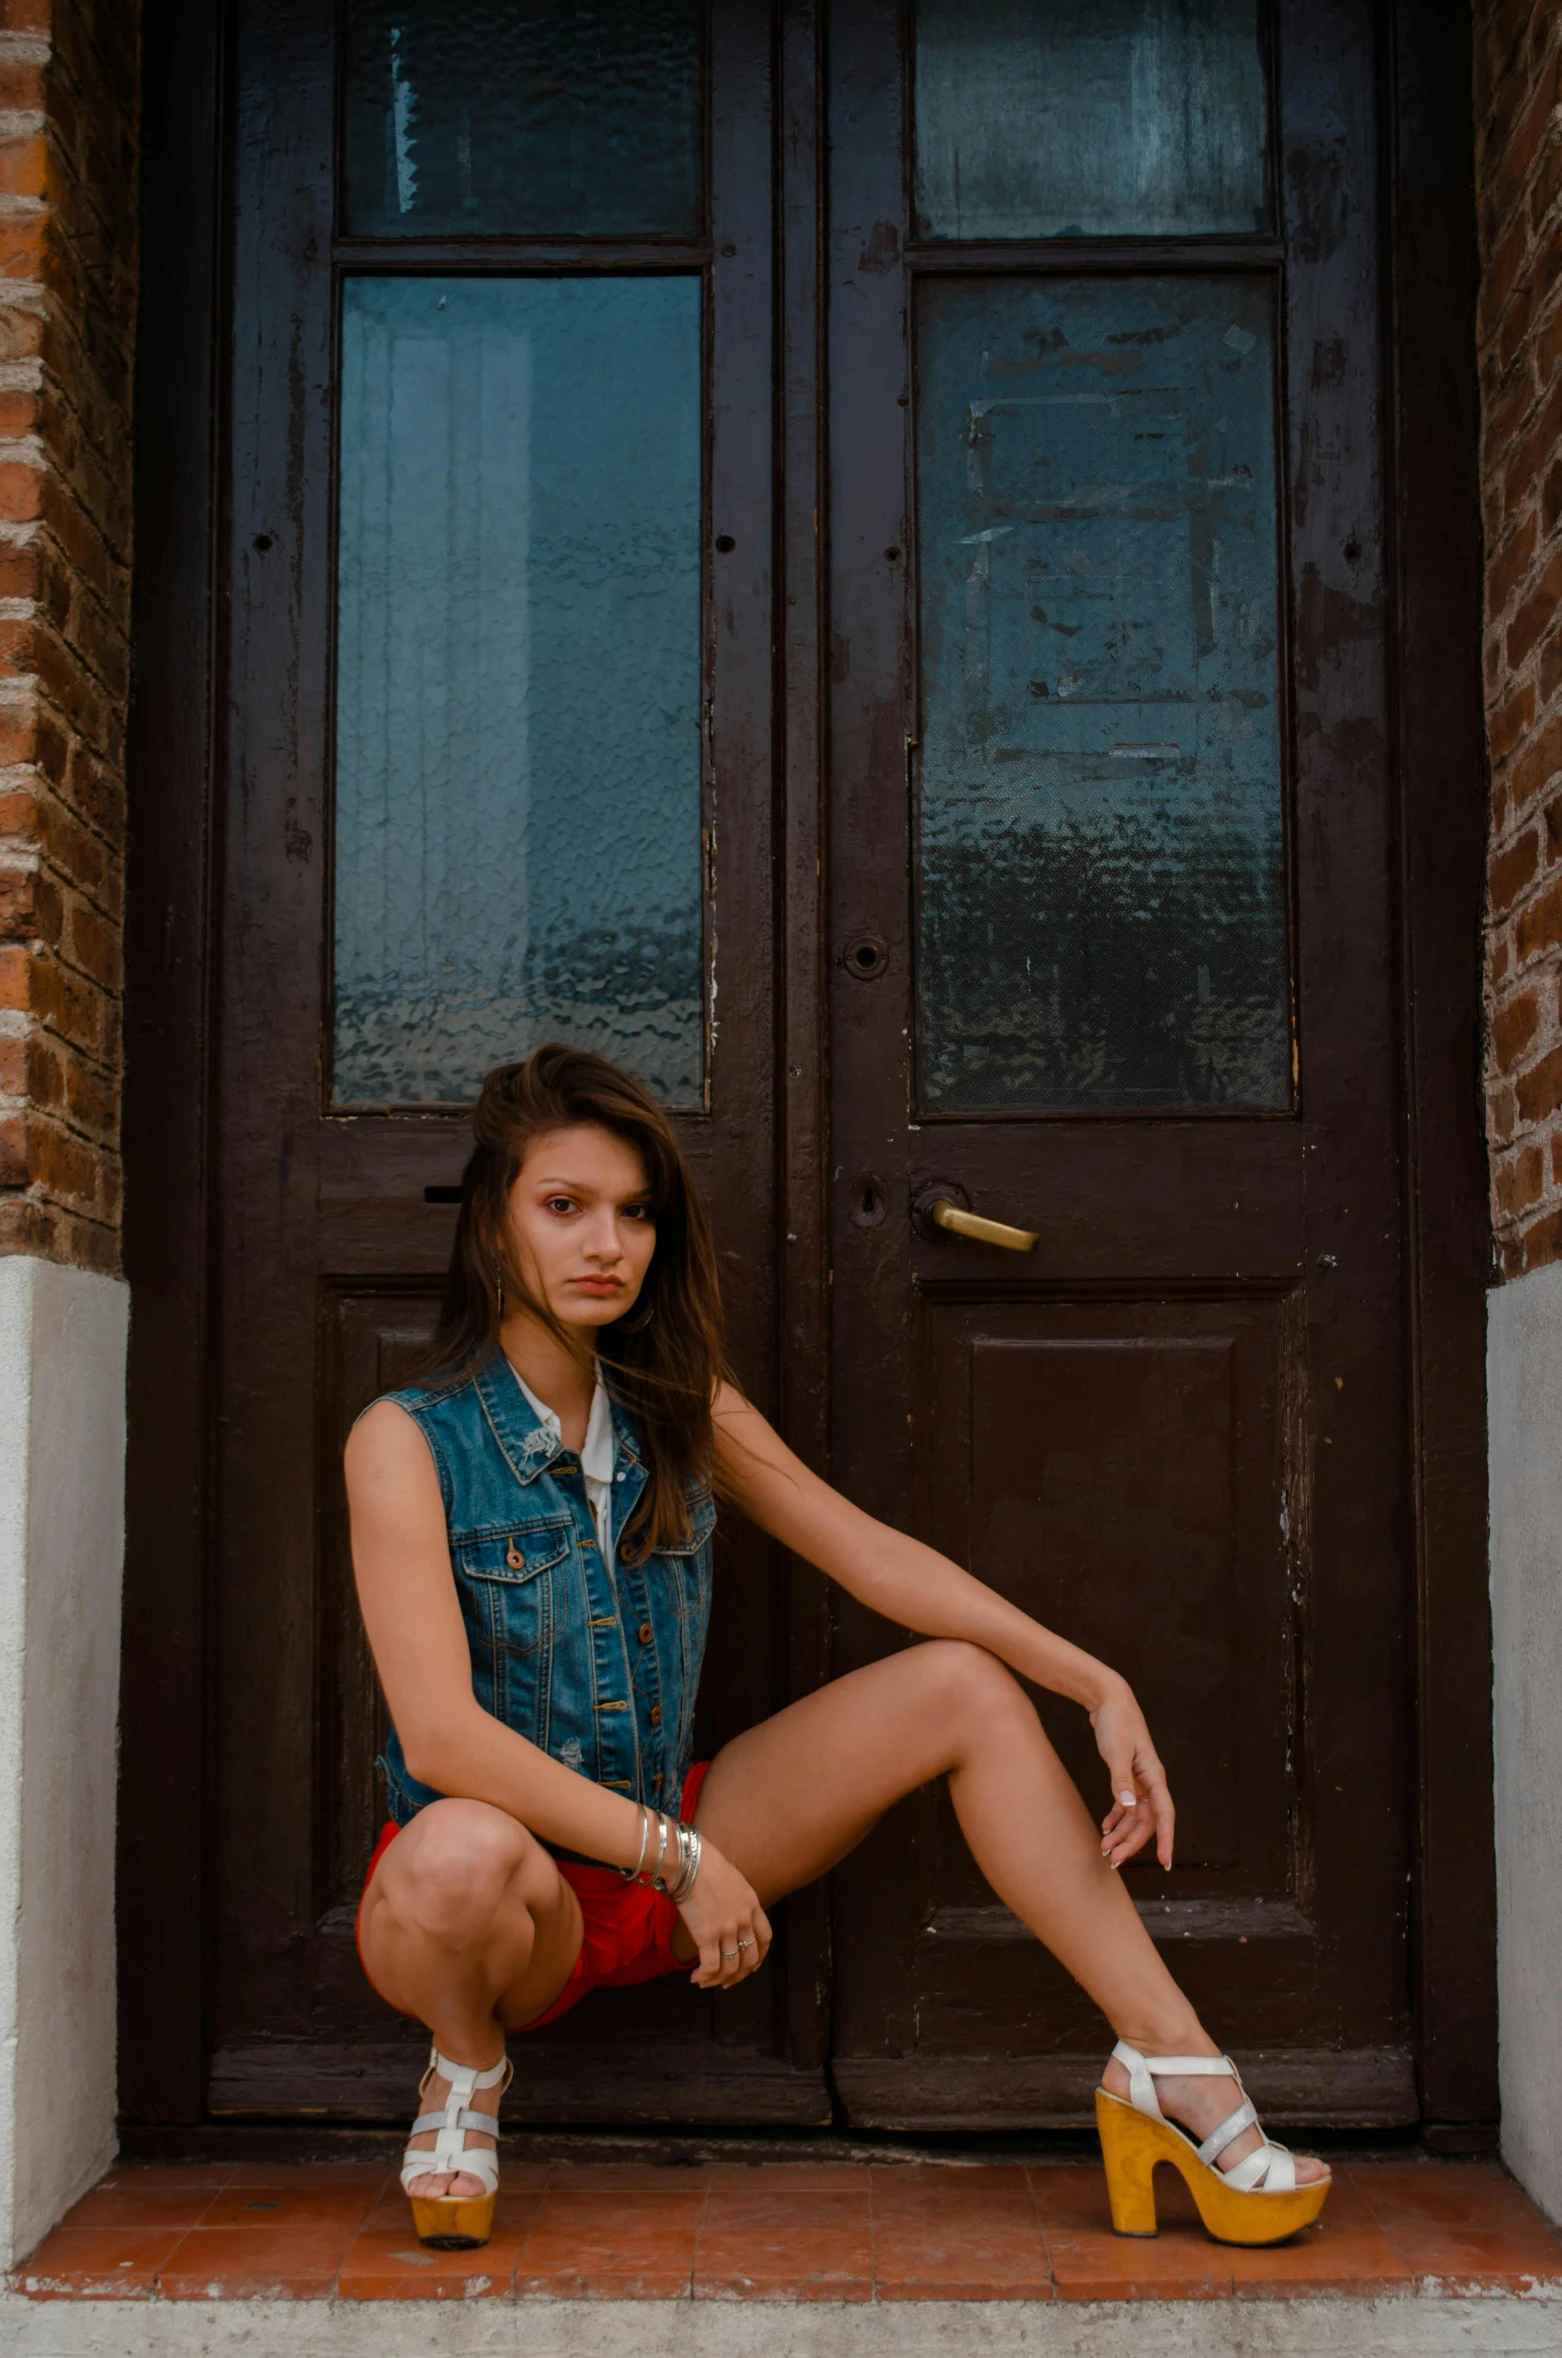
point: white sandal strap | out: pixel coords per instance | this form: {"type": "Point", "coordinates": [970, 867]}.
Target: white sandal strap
{"type": "Point", "coordinates": [1231, 2127]}
{"type": "Point", "coordinates": [454, 2122]}
{"type": "Point", "coordinates": [1269, 2168]}
{"type": "Point", "coordinates": [484, 2122]}
{"type": "Point", "coordinates": [1140, 2068]}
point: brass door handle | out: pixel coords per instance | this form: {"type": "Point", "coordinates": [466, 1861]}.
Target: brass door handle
{"type": "Point", "coordinates": [944, 1214]}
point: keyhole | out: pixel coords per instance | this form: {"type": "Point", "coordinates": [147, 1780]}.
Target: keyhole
{"type": "Point", "coordinates": [866, 957]}
{"type": "Point", "coordinates": [869, 1201]}
{"type": "Point", "coordinates": [261, 543]}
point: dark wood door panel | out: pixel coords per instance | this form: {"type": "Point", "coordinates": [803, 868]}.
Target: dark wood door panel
{"type": "Point", "coordinates": [1177, 1431]}
{"type": "Point", "coordinates": [334, 1228]}
{"type": "Point", "coordinates": [1237, 1186]}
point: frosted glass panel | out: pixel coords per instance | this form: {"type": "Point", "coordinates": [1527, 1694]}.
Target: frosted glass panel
{"type": "Point", "coordinates": [485, 117]}
{"type": "Point", "coordinates": [1088, 118]}
{"type": "Point", "coordinates": [1100, 833]}
{"type": "Point", "coordinates": [518, 681]}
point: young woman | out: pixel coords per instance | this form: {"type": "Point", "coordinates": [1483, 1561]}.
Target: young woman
{"type": "Point", "coordinates": [532, 1540]}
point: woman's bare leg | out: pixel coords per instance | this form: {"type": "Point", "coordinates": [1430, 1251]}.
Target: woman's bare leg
{"type": "Point", "coordinates": [469, 1926]}
{"type": "Point", "coordinates": [788, 1800]}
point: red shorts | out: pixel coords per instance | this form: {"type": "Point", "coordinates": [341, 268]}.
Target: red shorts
{"type": "Point", "coordinates": [628, 1930]}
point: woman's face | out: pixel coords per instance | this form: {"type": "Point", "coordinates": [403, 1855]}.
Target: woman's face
{"type": "Point", "coordinates": [580, 1224]}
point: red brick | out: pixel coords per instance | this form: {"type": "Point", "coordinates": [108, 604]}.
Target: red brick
{"type": "Point", "coordinates": [21, 85]}
{"type": "Point", "coordinates": [1548, 670]}
{"type": "Point", "coordinates": [24, 165]}
{"type": "Point", "coordinates": [1538, 1092]}
{"type": "Point", "coordinates": [1509, 567]}
{"type": "Point", "coordinates": [1554, 830]}
{"type": "Point", "coordinates": [94, 946]}
{"type": "Point", "coordinates": [1551, 500]}
{"type": "Point", "coordinates": [1513, 1027]}
{"type": "Point", "coordinates": [1540, 1243]}
{"type": "Point", "coordinates": [1501, 1111]}
{"type": "Point", "coordinates": [15, 1162]}
{"type": "Point", "coordinates": [1502, 272]}
{"type": "Point", "coordinates": [1516, 868]}
{"type": "Point", "coordinates": [1531, 771]}
{"type": "Point", "coordinates": [1539, 926]}
{"type": "Point", "coordinates": [1521, 1181]}
{"type": "Point", "coordinates": [1529, 625]}
{"type": "Point", "coordinates": [1511, 720]}
{"type": "Point", "coordinates": [92, 1100]}
{"type": "Point", "coordinates": [1526, 451]}
{"type": "Point", "coordinates": [1556, 1159]}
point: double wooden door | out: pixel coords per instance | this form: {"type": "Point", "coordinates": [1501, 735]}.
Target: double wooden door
{"type": "Point", "coordinates": [844, 560]}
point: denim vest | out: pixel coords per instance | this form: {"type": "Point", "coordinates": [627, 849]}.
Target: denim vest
{"type": "Point", "coordinates": [594, 1663]}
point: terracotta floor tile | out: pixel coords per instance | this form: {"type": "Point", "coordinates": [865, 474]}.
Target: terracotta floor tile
{"type": "Point", "coordinates": [964, 2242]}
{"type": "Point", "coordinates": [641, 2177]}
{"type": "Point", "coordinates": [1069, 2194]}
{"type": "Point", "coordinates": [1472, 2259]}
{"type": "Point", "coordinates": [145, 2205]}
{"type": "Point", "coordinates": [1179, 2264]}
{"type": "Point", "coordinates": [297, 2174]}
{"type": "Point", "coordinates": [281, 2209]}
{"type": "Point", "coordinates": [917, 2182]}
{"type": "Point", "coordinates": [236, 2263]}
{"type": "Point", "coordinates": [797, 2177]}
{"type": "Point", "coordinates": [168, 2174]}
{"type": "Point", "coordinates": [389, 2264]}
{"type": "Point", "coordinates": [93, 2263]}
{"type": "Point", "coordinates": [1322, 2259]}
{"type": "Point", "coordinates": [601, 2244]}
{"type": "Point", "coordinates": [771, 2245]}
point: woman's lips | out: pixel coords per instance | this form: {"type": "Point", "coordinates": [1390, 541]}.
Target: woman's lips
{"type": "Point", "coordinates": [599, 1285]}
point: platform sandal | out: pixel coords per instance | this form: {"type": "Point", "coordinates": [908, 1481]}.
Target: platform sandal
{"type": "Point", "coordinates": [456, 2222]}
{"type": "Point", "coordinates": [1256, 2201]}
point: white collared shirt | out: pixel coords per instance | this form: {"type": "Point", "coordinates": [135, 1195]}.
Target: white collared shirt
{"type": "Point", "coordinates": [596, 1458]}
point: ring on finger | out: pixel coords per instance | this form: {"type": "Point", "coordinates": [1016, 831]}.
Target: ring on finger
{"type": "Point", "coordinates": [729, 1952]}
{"type": "Point", "coordinates": [745, 1944]}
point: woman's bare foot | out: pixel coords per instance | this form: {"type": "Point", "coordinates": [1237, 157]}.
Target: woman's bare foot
{"type": "Point", "coordinates": [1200, 2105]}
{"type": "Point", "coordinates": [436, 2095]}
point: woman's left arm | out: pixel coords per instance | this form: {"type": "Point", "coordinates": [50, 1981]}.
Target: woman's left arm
{"type": "Point", "coordinates": [922, 1590]}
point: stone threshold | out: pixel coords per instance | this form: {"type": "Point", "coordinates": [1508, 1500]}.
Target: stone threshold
{"type": "Point", "coordinates": [1397, 2326]}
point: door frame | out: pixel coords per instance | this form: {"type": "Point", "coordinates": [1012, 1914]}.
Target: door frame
{"type": "Point", "coordinates": [172, 1081]}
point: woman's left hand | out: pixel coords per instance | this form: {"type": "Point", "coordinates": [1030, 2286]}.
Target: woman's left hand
{"type": "Point", "coordinates": [1141, 1803]}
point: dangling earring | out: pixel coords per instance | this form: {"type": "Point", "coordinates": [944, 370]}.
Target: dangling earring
{"type": "Point", "coordinates": [499, 1293]}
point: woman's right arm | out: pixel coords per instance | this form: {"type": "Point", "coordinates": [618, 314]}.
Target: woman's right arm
{"type": "Point", "coordinates": [401, 1560]}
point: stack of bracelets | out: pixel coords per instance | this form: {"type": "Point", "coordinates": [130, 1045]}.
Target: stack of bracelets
{"type": "Point", "coordinates": [685, 1841]}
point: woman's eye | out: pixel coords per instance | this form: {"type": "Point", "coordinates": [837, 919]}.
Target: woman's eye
{"type": "Point", "coordinates": [560, 1203]}
{"type": "Point", "coordinates": [637, 1211]}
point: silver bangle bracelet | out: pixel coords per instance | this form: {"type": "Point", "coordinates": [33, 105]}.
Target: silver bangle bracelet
{"type": "Point", "coordinates": [630, 1873]}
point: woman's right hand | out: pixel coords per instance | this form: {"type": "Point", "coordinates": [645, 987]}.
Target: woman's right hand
{"type": "Point", "coordinates": [721, 1912]}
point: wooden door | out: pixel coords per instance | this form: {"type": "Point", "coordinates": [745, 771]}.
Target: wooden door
{"type": "Point", "coordinates": [1112, 901]}
{"type": "Point", "coordinates": [498, 544]}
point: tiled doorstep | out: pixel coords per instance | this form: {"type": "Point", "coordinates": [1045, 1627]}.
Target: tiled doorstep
{"type": "Point", "coordinates": [1429, 2256]}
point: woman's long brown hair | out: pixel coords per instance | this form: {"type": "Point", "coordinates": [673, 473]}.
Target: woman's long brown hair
{"type": "Point", "coordinates": [664, 1359]}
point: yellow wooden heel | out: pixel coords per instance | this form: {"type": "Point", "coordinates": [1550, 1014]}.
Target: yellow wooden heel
{"type": "Point", "coordinates": [1257, 2202]}
{"type": "Point", "coordinates": [453, 2222]}
{"type": "Point", "coordinates": [1129, 2151]}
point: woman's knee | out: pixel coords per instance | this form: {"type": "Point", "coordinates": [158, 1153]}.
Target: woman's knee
{"type": "Point", "coordinates": [972, 1688]}
{"type": "Point", "coordinates": [468, 1865]}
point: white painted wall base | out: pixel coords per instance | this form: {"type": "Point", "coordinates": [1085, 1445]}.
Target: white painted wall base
{"type": "Point", "coordinates": [62, 1488]}
{"type": "Point", "coordinates": [1524, 1391]}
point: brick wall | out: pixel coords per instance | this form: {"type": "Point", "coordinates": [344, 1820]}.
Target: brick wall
{"type": "Point", "coordinates": [1518, 99]}
{"type": "Point", "coordinates": [67, 297]}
